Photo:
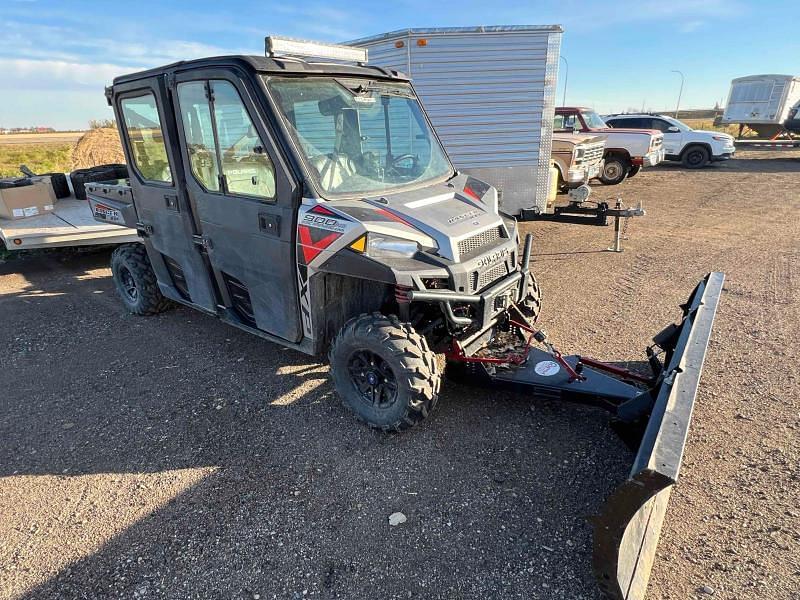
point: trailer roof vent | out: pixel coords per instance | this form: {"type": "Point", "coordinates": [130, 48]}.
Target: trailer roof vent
{"type": "Point", "coordinates": [284, 46]}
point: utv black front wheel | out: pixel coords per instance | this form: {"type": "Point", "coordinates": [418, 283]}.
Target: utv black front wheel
{"type": "Point", "coordinates": [531, 303]}
{"type": "Point", "coordinates": [385, 372]}
{"type": "Point", "coordinates": [135, 281]}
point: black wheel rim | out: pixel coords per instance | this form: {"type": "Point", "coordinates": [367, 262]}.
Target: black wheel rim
{"type": "Point", "coordinates": [695, 157]}
{"type": "Point", "coordinates": [373, 378]}
{"type": "Point", "coordinates": [128, 284]}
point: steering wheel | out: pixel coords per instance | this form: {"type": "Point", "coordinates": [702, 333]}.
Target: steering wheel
{"type": "Point", "coordinates": [396, 159]}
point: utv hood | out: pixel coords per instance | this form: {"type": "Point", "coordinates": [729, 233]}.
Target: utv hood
{"type": "Point", "coordinates": [449, 212]}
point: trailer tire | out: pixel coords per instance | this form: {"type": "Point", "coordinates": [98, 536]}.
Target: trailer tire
{"type": "Point", "coordinates": [695, 157]}
{"type": "Point", "coordinates": [615, 169]}
{"type": "Point", "coordinates": [634, 170]}
{"type": "Point", "coordinates": [531, 304]}
{"type": "Point", "coordinates": [136, 282]}
{"type": "Point", "coordinates": [384, 371]}
{"type": "Point", "coordinates": [59, 183]}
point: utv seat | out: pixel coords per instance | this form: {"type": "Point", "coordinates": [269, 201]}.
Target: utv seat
{"type": "Point", "coordinates": [333, 169]}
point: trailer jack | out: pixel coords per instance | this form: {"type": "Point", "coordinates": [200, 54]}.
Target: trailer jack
{"type": "Point", "coordinates": [651, 413]}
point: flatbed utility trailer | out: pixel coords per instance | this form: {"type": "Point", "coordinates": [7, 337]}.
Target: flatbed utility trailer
{"type": "Point", "coordinates": [311, 203]}
{"type": "Point", "coordinates": [70, 224]}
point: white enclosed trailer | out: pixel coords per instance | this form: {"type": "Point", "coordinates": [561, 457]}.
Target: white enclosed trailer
{"type": "Point", "coordinates": [490, 93]}
{"type": "Point", "coordinates": [761, 102]}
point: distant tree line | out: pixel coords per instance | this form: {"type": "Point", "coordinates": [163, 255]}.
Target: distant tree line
{"type": "Point", "coordinates": [102, 123]}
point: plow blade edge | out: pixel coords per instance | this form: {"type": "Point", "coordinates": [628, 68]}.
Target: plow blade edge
{"type": "Point", "coordinates": [626, 532]}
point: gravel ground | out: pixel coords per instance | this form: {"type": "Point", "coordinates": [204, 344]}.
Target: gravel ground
{"type": "Point", "coordinates": [177, 457]}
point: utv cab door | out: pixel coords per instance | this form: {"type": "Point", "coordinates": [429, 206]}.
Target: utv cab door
{"type": "Point", "coordinates": [245, 198]}
{"type": "Point", "coordinates": [149, 135]}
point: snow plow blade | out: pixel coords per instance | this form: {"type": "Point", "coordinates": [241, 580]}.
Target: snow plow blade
{"type": "Point", "coordinates": [627, 531]}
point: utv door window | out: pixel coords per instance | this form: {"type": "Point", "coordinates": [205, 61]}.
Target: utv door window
{"type": "Point", "coordinates": [199, 131]}
{"type": "Point", "coordinates": [218, 132]}
{"type": "Point", "coordinates": [143, 127]}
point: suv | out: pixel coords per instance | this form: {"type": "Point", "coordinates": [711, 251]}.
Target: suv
{"type": "Point", "coordinates": [312, 204]}
{"type": "Point", "coordinates": [626, 151]}
{"type": "Point", "coordinates": [693, 148]}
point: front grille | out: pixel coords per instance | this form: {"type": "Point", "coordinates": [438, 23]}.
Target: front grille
{"type": "Point", "coordinates": [479, 240]}
{"type": "Point", "coordinates": [488, 277]}
{"type": "Point", "coordinates": [593, 154]}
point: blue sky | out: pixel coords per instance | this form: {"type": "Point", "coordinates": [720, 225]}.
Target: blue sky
{"type": "Point", "coordinates": [56, 56]}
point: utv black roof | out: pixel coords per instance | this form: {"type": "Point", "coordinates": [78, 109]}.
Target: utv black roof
{"type": "Point", "coordinates": [263, 64]}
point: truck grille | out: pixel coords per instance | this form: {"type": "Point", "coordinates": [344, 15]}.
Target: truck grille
{"type": "Point", "coordinates": [592, 154]}
{"type": "Point", "coordinates": [488, 277]}
{"type": "Point", "coordinates": [479, 240]}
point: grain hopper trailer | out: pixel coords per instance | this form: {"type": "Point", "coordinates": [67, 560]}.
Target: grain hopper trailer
{"type": "Point", "coordinates": [310, 202]}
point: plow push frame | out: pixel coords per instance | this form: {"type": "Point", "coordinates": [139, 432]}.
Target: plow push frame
{"type": "Point", "coordinates": [651, 414]}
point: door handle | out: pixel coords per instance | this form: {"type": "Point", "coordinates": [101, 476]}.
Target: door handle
{"type": "Point", "coordinates": [270, 224]}
{"type": "Point", "coordinates": [171, 202]}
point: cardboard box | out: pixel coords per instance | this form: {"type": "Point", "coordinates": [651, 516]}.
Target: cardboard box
{"type": "Point", "coordinates": [27, 201]}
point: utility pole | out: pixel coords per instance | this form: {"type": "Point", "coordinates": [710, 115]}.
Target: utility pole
{"type": "Point", "coordinates": [680, 93]}
{"type": "Point", "coordinates": [566, 77]}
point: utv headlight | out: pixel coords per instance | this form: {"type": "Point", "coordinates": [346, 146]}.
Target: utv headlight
{"type": "Point", "coordinates": [387, 246]}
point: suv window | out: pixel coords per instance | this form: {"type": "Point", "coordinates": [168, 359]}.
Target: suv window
{"type": "Point", "coordinates": [660, 125]}
{"type": "Point", "coordinates": [220, 132]}
{"type": "Point", "coordinates": [143, 126]}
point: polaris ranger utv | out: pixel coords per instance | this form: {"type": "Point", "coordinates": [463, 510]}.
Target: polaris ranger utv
{"type": "Point", "coordinates": [312, 204]}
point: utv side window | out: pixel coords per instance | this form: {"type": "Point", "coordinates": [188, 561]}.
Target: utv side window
{"type": "Point", "coordinates": [220, 132]}
{"type": "Point", "coordinates": [143, 126]}
{"type": "Point", "coordinates": [199, 131]}
{"type": "Point", "coordinates": [246, 167]}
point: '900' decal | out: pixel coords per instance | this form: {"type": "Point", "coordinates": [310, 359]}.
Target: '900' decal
{"type": "Point", "coordinates": [324, 222]}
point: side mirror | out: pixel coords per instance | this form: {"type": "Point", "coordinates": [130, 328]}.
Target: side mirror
{"type": "Point", "coordinates": [673, 129]}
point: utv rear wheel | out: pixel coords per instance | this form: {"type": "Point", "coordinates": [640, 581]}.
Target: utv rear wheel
{"type": "Point", "coordinates": [695, 157]}
{"type": "Point", "coordinates": [384, 372]}
{"type": "Point", "coordinates": [614, 170]}
{"type": "Point", "coordinates": [135, 280]}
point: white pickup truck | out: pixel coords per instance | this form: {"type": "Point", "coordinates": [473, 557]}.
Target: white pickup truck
{"type": "Point", "coordinates": [627, 150]}
{"type": "Point", "coordinates": [693, 148]}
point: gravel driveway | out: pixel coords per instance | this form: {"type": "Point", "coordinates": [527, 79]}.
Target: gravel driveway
{"type": "Point", "coordinates": [177, 457]}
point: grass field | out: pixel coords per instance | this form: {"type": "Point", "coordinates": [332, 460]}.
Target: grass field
{"type": "Point", "coordinates": [38, 157]}
{"type": "Point", "coordinates": [708, 125]}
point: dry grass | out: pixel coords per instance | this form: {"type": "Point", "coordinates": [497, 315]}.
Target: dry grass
{"type": "Point", "coordinates": [708, 125]}
{"type": "Point", "coordinates": [39, 157]}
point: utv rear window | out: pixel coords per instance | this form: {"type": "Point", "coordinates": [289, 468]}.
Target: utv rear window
{"type": "Point", "coordinates": [148, 150]}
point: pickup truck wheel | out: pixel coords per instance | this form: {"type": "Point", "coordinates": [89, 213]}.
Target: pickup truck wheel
{"type": "Point", "coordinates": [385, 372]}
{"type": "Point", "coordinates": [634, 170]}
{"type": "Point", "coordinates": [614, 170]}
{"type": "Point", "coordinates": [695, 157]}
{"type": "Point", "coordinates": [136, 282]}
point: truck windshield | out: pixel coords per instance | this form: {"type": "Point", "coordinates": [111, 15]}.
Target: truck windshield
{"type": "Point", "coordinates": [358, 136]}
{"type": "Point", "coordinates": [593, 120]}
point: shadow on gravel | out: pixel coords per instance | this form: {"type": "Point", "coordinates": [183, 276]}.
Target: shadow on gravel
{"type": "Point", "coordinates": [496, 486]}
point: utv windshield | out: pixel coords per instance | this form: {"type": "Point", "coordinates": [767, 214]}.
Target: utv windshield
{"type": "Point", "coordinates": [358, 136]}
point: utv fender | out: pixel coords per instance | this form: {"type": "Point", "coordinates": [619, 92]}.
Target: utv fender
{"type": "Point", "coordinates": [353, 264]}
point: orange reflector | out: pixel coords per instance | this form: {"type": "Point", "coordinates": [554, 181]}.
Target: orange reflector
{"type": "Point", "coordinates": [399, 44]}
{"type": "Point", "coordinates": [360, 245]}
{"type": "Point", "coordinates": [422, 42]}
{"type": "Point", "coordinates": [18, 241]}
